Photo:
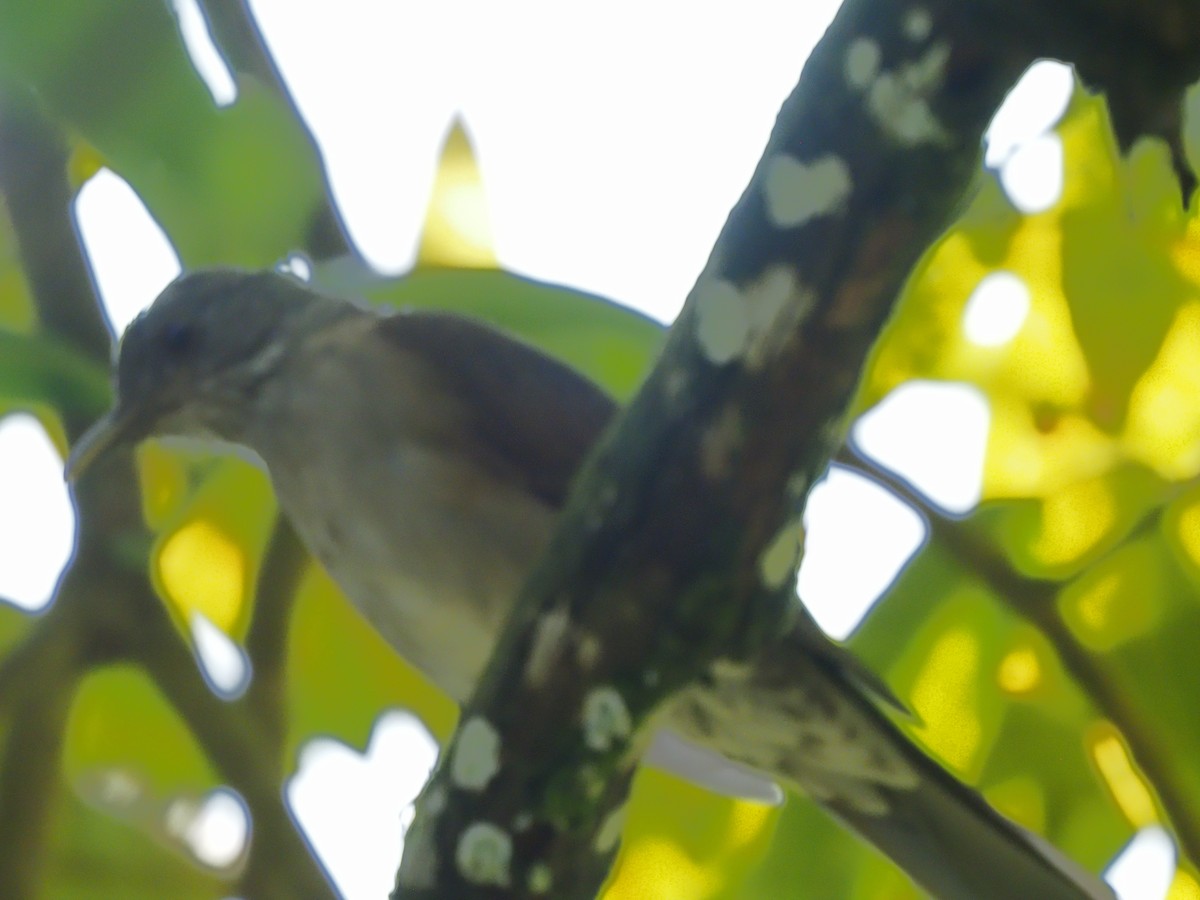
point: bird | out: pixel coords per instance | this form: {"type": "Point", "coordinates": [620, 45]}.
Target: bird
{"type": "Point", "coordinates": [423, 457]}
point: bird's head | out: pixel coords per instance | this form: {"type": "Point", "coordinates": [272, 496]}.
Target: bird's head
{"type": "Point", "coordinates": [189, 364]}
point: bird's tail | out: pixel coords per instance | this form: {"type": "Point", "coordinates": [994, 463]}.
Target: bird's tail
{"type": "Point", "coordinates": [952, 843]}
{"type": "Point", "coordinates": [801, 715]}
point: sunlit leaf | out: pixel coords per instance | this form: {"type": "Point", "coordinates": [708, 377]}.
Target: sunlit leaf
{"type": "Point", "coordinates": [97, 856]}
{"type": "Point", "coordinates": [681, 841]}
{"type": "Point", "coordinates": [121, 721]}
{"type": "Point", "coordinates": [457, 231]}
{"type": "Point", "coordinates": [207, 561]}
{"type": "Point", "coordinates": [342, 676]}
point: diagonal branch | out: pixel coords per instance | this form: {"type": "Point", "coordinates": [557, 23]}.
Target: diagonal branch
{"type": "Point", "coordinates": [247, 755]}
{"type": "Point", "coordinates": [279, 579]}
{"type": "Point", "coordinates": [677, 549]}
{"type": "Point", "coordinates": [1035, 601]}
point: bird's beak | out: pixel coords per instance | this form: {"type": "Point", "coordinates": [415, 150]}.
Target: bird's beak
{"type": "Point", "coordinates": [118, 427]}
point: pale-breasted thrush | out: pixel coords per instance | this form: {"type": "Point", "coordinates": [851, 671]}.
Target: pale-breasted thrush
{"type": "Point", "coordinates": [423, 457]}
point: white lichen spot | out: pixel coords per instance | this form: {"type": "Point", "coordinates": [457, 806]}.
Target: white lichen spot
{"type": "Point", "coordinates": [775, 302]}
{"type": "Point", "coordinates": [476, 757]}
{"type": "Point", "coordinates": [606, 718]}
{"type": "Point", "coordinates": [610, 831]}
{"type": "Point", "coordinates": [434, 803]}
{"type": "Point", "coordinates": [719, 444]}
{"type": "Point", "coordinates": [541, 878]}
{"type": "Point", "coordinates": [862, 62]}
{"type": "Point", "coordinates": [484, 854]}
{"type": "Point", "coordinates": [419, 867]}
{"type": "Point", "coordinates": [917, 24]}
{"type": "Point", "coordinates": [591, 782]}
{"type": "Point", "coordinates": [675, 382]}
{"type": "Point", "coordinates": [797, 192]}
{"type": "Point", "coordinates": [753, 321]}
{"type": "Point", "coordinates": [522, 821]}
{"type": "Point", "coordinates": [730, 671]}
{"type": "Point", "coordinates": [606, 498]}
{"type": "Point", "coordinates": [722, 324]}
{"type": "Point", "coordinates": [549, 640]}
{"type": "Point", "coordinates": [899, 101]}
{"type": "Point", "coordinates": [797, 485]}
{"type": "Point", "coordinates": [833, 434]}
{"type": "Point", "coordinates": [778, 561]}
{"type": "Point", "coordinates": [587, 653]}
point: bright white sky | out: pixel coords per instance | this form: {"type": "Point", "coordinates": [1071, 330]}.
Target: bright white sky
{"type": "Point", "coordinates": [609, 165]}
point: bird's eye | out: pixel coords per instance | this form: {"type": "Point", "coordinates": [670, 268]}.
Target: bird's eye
{"type": "Point", "coordinates": [178, 337]}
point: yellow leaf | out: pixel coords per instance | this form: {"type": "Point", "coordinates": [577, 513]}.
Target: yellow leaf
{"type": "Point", "coordinates": [84, 162]}
{"type": "Point", "coordinates": [1184, 887]}
{"type": "Point", "coordinates": [944, 698]}
{"type": "Point", "coordinates": [1120, 598]}
{"type": "Point", "coordinates": [202, 570]}
{"type": "Point", "coordinates": [1162, 428]}
{"type": "Point", "coordinates": [162, 475]}
{"type": "Point", "coordinates": [207, 562]}
{"type": "Point", "coordinates": [457, 232]}
{"type": "Point", "coordinates": [1020, 671]}
{"type": "Point", "coordinates": [1121, 776]}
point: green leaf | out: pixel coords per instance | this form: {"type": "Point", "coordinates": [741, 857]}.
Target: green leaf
{"type": "Point", "coordinates": [41, 371]}
{"type": "Point", "coordinates": [121, 721]}
{"type": "Point", "coordinates": [95, 856]}
{"type": "Point", "coordinates": [342, 676]}
{"type": "Point", "coordinates": [239, 185]}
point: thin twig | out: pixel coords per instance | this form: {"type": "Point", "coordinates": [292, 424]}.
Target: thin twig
{"type": "Point", "coordinates": [1035, 600]}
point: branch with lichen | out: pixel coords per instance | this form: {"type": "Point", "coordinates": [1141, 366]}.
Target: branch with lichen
{"type": "Point", "coordinates": [668, 560]}
{"type": "Point", "coordinates": [674, 561]}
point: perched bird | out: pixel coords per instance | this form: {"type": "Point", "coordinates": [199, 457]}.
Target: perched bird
{"type": "Point", "coordinates": [423, 458]}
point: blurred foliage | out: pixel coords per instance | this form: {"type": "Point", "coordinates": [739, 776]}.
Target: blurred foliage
{"type": "Point", "coordinates": [1013, 632]}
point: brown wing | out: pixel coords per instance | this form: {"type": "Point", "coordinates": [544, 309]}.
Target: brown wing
{"type": "Point", "coordinates": [535, 417]}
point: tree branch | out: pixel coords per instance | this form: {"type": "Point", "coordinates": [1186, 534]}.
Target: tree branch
{"type": "Point", "coordinates": [866, 162]}
{"type": "Point", "coordinates": [281, 863]}
{"type": "Point", "coordinates": [1036, 601]}
{"type": "Point", "coordinates": [30, 784]}
{"type": "Point", "coordinates": [678, 548]}
{"type": "Point", "coordinates": [104, 607]}
{"type": "Point", "coordinates": [279, 579]}
{"type": "Point", "coordinates": [33, 161]}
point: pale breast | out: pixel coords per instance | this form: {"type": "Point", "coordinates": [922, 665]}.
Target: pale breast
{"type": "Point", "coordinates": [429, 548]}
